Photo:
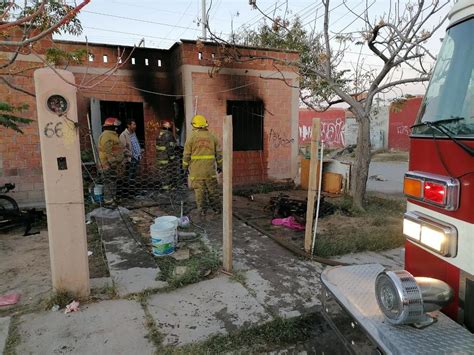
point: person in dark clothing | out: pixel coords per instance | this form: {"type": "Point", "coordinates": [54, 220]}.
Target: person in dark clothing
{"type": "Point", "coordinates": [166, 158]}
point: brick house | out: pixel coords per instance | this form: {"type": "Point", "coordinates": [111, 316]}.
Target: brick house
{"type": "Point", "coordinates": [153, 84]}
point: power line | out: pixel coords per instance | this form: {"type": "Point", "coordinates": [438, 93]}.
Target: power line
{"type": "Point", "coordinates": [128, 33]}
{"type": "Point", "coordinates": [182, 15]}
{"type": "Point", "coordinates": [136, 19]}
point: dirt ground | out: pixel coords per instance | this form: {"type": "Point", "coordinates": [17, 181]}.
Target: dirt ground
{"type": "Point", "coordinates": [25, 268]}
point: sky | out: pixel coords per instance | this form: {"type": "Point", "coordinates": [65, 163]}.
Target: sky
{"type": "Point", "coordinates": [162, 23]}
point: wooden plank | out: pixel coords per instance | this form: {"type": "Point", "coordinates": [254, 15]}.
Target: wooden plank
{"type": "Point", "coordinates": [227, 151]}
{"type": "Point", "coordinates": [313, 183]}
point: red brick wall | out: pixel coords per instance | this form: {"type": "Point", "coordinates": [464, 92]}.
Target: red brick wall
{"type": "Point", "coordinates": [400, 121]}
{"type": "Point", "coordinates": [20, 159]}
{"type": "Point", "coordinates": [333, 123]}
{"type": "Point", "coordinates": [275, 159]}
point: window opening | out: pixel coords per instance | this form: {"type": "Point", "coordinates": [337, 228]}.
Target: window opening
{"type": "Point", "coordinates": [247, 121]}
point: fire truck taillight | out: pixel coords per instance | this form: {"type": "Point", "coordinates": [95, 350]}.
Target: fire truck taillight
{"type": "Point", "coordinates": [437, 190]}
{"type": "Point", "coordinates": [435, 235]}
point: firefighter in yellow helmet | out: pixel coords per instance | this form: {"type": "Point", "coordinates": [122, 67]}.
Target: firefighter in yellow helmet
{"type": "Point", "coordinates": [168, 162]}
{"type": "Point", "coordinates": [110, 157]}
{"type": "Point", "coordinates": [203, 156]}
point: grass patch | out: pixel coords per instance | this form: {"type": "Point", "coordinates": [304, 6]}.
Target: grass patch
{"type": "Point", "coordinates": [153, 334]}
{"type": "Point", "coordinates": [240, 277]}
{"type": "Point", "coordinates": [13, 338]}
{"type": "Point", "coordinates": [377, 228]}
{"type": "Point", "coordinates": [270, 336]}
{"type": "Point", "coordinates": [198, 267]}
{"type": "Point", "coordinates": [97, 261]}
{"type": "Point", "coordinates": [385, 156]}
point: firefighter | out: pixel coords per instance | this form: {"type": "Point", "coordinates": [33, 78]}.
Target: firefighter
{"type": "Point", "coordinates": [110, 157]}
{"type": "Point", "coordinates": [168, 162]}
{"type": "Point", "coordinates": [202, 155]}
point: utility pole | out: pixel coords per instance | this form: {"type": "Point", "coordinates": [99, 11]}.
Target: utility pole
{"type": "Point", "coordinates": [204, 20]}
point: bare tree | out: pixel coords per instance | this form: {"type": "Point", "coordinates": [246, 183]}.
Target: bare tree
{"type": "Point", "coordinates": [396, 38]}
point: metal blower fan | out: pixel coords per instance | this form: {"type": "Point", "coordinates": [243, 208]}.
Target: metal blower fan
{"type": "Point", "coordinates": [405, 299]}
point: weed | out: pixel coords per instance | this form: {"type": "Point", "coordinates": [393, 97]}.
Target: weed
{"type": "Point", "coordinates": [13, 338]}
{"type": "Point", "coordinates": [97, 261]}
{"type": "Point", "coordinates": [153, 334]}
{"type": "Point", "coordinates": [60, 298]}
{"type": "Point", "coordinates": [198, 268]}
{"type": "Point", "coordinates": [240, 277]}
{"type": "Point", "coordinates": [267, 337]}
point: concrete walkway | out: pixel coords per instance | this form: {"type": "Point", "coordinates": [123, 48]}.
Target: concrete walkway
{"type": "Point", "coordinates": [271, 282]}
{"type": "Point", "coordinates": [4, 326]}
{"type": "Point", "coordinates": [132, 269]}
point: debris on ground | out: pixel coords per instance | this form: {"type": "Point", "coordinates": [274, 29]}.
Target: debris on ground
{"type": "Point", "coordinates": [55, 308]}
{"type": "Point", "coordinates": [341, 152]}
{"type": "Point", "coordinates": [184, 236]}
{"type": "Point", "coordinates": [181, 254]}
{"type": "Point", "coordinates": [9, 300]}
{"type": "Point", "coordinates": [180, 270]}
{"type": "Point", "coordinates": [283, 206]}
{"type": "Point", "coordinates": [288, 222]}
{"type": "Point", "coordinates": [103, 212]}
{"type": "Point", "coordinates": [377, 178]}
{"type": "Point", "coordinates": [72, 307]}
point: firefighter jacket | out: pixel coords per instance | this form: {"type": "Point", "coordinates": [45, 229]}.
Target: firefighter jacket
{"type": "Point", "coordinates": [110, 150]}
{"type": "Point", "coordinates": [202, 152]}
{"type": "Point", "coordinates": [165, 147]}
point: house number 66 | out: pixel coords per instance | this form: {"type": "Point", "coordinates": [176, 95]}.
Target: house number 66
{"type": "Point", "coordinates": [56, 130]}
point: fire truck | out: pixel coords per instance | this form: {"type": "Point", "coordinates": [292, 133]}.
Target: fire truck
{"type": "Point", "coordinates": [429, 306]}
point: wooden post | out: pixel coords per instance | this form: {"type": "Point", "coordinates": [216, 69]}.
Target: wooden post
{"type": "Point", "coordinates": [313, 183]}
{"type": "Point", "coordinates": [227, 151]}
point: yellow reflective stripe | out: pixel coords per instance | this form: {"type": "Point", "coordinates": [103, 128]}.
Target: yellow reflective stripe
{"type": "Point", "coordinates": [160, 148]}
{"type": "Point", "coordinates": [202, 157]}
{"type": "Point", "coordinates": [220, 161]}
{"type": "Point", "coordinates": [185, 163]}
{"type": "Point", "coordinates": [163, 162]}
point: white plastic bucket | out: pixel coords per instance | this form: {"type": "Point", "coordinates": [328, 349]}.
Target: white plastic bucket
{"type": "Point", "coordinates": [169, 219]}
{"type": "Point", "coordinates": [98, 194]}
{"type": "Point", "coordinates": [163, 238]}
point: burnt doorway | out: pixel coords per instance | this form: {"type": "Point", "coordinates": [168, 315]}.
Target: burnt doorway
{"type": "Point", "coordinates": [125, 111]}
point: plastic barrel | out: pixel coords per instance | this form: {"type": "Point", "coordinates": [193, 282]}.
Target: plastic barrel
{"type": "Point", "coordinates": [163, 238]}
{"type": "Point", "coordinates": [169, 219]}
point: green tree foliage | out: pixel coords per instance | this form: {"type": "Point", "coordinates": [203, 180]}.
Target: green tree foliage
{"type": "Point", "coordinates": [283, 35]}
{"type": "Point", "coordinates": [34, 20]}
{"type": "Point", "coordinates": [9, 117]}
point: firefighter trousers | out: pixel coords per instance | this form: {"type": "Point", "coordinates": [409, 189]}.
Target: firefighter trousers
{"type": "Point", "coordinates": [207, 190]}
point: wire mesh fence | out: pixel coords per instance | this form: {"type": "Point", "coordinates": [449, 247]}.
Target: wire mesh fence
{"type": "Point", "coordinates": [155, 177]}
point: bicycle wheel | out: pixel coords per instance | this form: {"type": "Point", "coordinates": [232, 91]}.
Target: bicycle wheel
{"type": "Point", "coordinates": [8, 206]}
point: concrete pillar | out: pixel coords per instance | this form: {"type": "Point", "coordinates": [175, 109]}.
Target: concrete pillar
{"type": "Point", "coordinates": [61, 160]}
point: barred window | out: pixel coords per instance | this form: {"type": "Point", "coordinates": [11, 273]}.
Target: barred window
{"type": "Point", "coordinates": [247, 121]}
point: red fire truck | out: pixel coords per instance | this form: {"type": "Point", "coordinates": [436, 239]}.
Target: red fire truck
{"type": "Point", "coordinates": [429, 306]}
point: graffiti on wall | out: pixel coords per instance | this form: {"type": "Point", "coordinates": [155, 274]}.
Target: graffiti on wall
{"type": "Point", "coordinates": [332, 132]}
{"type": "Point", "coordinates": [403, 130]}
{"type": "Point", "coordinates": [277, 140]}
